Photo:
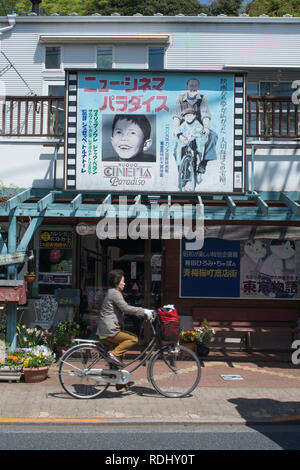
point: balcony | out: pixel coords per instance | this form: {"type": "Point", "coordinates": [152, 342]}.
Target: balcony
{"type": "Point", "coordinates": [272, 117]}
{"type": "Point", "coordinates": [32, 116]}
{"type": "Point", "coordinates": [43, 116]}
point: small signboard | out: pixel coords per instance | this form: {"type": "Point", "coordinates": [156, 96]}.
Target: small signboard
{"type": "Point", "coordinates": [231, 377]}
{"type": "Point", "coordinates": [67, 296]}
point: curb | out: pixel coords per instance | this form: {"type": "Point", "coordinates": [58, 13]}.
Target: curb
{"type": "Point", "coordinates": [152, 422]}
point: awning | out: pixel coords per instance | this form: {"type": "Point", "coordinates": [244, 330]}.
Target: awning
{"type": "Point", "coordinates": [259, 207]}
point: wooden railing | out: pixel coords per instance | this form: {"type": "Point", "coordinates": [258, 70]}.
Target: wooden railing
{"type": "Point", "coordinates": [43, 116]}
{"type": "Point", "coordinates": [40, 116]}
{"type": "Point", "coordinates": [272, 117]}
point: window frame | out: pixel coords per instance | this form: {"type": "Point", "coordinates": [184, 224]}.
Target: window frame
{"type": "Point", "coordinates": [112, 56]}
{"type": "Point", "coordinates": [164, 57]}
{"type": "Point", "coordinates": [61, 59]}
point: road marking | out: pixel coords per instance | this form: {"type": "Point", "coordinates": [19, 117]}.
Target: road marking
{"type": "Point", "coordinates": [52, 420]}
{"type": "Point", "coordinates": [287, 418]}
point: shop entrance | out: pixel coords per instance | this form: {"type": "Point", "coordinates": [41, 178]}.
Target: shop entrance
{"type": "Point", "coordinates": [141, 261]}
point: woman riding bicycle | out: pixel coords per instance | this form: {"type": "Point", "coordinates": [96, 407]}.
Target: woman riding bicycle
{"type": "Point", "coordinates": [111, 319]}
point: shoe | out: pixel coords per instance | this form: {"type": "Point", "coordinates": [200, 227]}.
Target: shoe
{"type": "Point", "coordinates": [126, 386]}
{"type": "Point", "coordinates": [115, 360]}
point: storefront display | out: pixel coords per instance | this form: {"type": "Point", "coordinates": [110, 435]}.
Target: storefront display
{"type": "Point", "coordinates": [55, 260]}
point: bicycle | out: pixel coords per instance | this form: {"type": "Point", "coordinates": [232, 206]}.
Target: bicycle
{"type": "Point", "coordinates": [86, 370]}
{"type": "Point", "coordinates": [188, 171]}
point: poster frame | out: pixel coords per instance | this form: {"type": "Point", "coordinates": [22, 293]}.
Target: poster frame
{"type": "Point", "coordinates": [70, 138]}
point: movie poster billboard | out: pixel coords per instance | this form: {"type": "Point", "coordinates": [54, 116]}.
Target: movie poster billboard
{"type": "Point", "coordinates": [143, 131]}
{"type": "Point", "coordinates": [254, 268]}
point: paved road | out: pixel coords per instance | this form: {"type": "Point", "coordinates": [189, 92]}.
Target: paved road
{"type": "Point", "coordinates": [123, 439]}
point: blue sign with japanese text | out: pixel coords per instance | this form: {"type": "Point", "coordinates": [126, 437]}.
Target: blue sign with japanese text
{"type": "Point", "coordinates": [213, 271]}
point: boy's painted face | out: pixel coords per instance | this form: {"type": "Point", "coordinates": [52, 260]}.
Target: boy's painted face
{"type": "Point", "coordinates": [189, 117]}
{"type": "Point", "coordinates": [128, 139]}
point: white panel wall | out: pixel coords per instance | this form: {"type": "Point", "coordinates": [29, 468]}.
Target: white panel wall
{"type": "Point", "coordinates": [32, 165]}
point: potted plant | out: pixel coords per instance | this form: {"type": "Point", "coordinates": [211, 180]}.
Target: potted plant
{"type": "Point", "coordinates": [29, 337]}
{"type": "Point", "coordinates": [36, 364]}
{"type": "Point", "coordinates": [29, 277]}
{"type": "Point", "coordinates": [11, 364]}
{"type": "Point", "coordinates": [64, 334]}
{"type": "Point", "coordinates": [205, 334]}
{"type": "Point", "coordinates": [189, 339]}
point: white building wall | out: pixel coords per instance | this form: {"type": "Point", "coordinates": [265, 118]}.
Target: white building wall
{"type": "Point", "coordinates": [195, 43]}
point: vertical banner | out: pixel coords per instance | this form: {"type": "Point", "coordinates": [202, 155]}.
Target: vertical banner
{"type": "Point", "coordinates": [253, 268]}
{"type": "Point", "coordinates": [155, 131]}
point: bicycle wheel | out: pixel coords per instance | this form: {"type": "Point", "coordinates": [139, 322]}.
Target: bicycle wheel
{"type": "Point", "coordinates": [186, 174]}
{"type": "Point", "coordinates": [174, 371]}
{"type": "Point", "coordinates": [75, 370]}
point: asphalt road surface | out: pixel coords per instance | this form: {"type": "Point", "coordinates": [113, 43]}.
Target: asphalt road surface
{"type": "Point", "coordinates": [149, 437]}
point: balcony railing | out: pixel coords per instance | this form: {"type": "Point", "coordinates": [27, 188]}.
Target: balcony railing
{"type": "Point", "coordinates": [43, 116]}
{"type": "Point", "coordinates": [272, 117]}
{"type": "Point", "coordinates": [40, 116]}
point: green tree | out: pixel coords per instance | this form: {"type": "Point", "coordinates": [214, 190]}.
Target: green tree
{"type": "Point", "coordinates": [47, 7]}
{"type": "Point", "coordinates": [145, 7]}
{"type": "Point", "coordinates": [17, 6]}
{"type": "Point", "coordinates": [273, 7]}
{"type": "Point", "coordinates": [227, 7]}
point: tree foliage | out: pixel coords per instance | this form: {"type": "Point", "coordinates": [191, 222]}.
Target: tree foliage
{"type": "Point", "coordinates": [273, 7]}
{"type": "Point", "coordinates": [145, 7]}
{"type": "Point", "coordinates": [226, 7]}
{"type": "Point", "coordinates": [105, 7]}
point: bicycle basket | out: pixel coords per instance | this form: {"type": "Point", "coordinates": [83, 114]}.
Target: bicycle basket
{"type": "Point", "coordinates": [169, 323]}
{"type": "Point", "coordinates": [170, 330]}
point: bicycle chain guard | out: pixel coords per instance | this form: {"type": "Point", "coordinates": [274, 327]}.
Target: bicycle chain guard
{"type": "Point", "coordinates": [110, 375]}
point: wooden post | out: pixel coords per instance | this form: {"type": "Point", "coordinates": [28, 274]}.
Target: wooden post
{"type": "Point", "coordinates": [11, 322]}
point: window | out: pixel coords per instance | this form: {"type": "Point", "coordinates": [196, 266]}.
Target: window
{"type": "Point", "coordinates": [273, 115]}
{"type": "Point", "coordinates": [57, 109]}
{"type": "Point", "coordinates": [156, 57]}
{"type": "Point", "coordinates": [104, 58]}
{"type": "Point", "coordinates": [52, 59]}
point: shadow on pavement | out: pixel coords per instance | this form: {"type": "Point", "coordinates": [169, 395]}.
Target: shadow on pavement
{"type": "Point", "coordinates": [261, 413]}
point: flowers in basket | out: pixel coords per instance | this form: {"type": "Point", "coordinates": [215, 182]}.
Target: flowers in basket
{"type": "Point", "coordinates": [204, 333]}
{"type": "Point", "coordinates": [38, 357]}
{"type": "Point", "coordinates": [29, 337]}
{"type": "Point", "coordinates": [201, 335]}
{"type": "Point", "coordinates": [12, 359]}
{"type": "Point", "coordinates": [188, 336]}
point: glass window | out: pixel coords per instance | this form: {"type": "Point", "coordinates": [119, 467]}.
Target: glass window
{"type": "Point", "coordinates": [52, 59]}
{"type": "Point", "coordinates": [274, 89]}
{"type": "Point", "coordinates": [252, 89]}
{"type": "Point", "coordinates": [56, 109]}
{"type": "Point", "coordinates": [104, 58]}
{"type": "Point", "coordinates": [156, 58]}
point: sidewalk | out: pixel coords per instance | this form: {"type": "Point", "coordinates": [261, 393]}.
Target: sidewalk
{"type": "Point", "coordinates": [269, 392]}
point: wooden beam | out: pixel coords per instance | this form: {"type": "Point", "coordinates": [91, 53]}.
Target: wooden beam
{"type": "Point", "coordinates": [293, 205]}
{"type": "Point", "coordinates": [17, 199]}
{"type": "Point", "coordinates": [45, 201]}
{"type": "Point", "coordinates": [262, 205]}
{"type": "Point", "coordinates": [75, 203]}
{"type": "Point", "coordinates": [231, 204]}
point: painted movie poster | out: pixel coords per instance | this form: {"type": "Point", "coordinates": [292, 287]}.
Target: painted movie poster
{"type": "Point", "coordinates": [254, 268]}
{"type": "Point", "coordinates": [144, 131]}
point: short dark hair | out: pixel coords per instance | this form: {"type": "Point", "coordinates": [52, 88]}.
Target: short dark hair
{"type": "Point", "coordinates": [138, 119]}
{"type": "Point", "coordinates": [115, 277]}
{"type": "Point", "coordinates": [192, 79]}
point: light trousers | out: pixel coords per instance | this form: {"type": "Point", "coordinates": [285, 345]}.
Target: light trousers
{"type": "Point", "coordinates": [122, 342]}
